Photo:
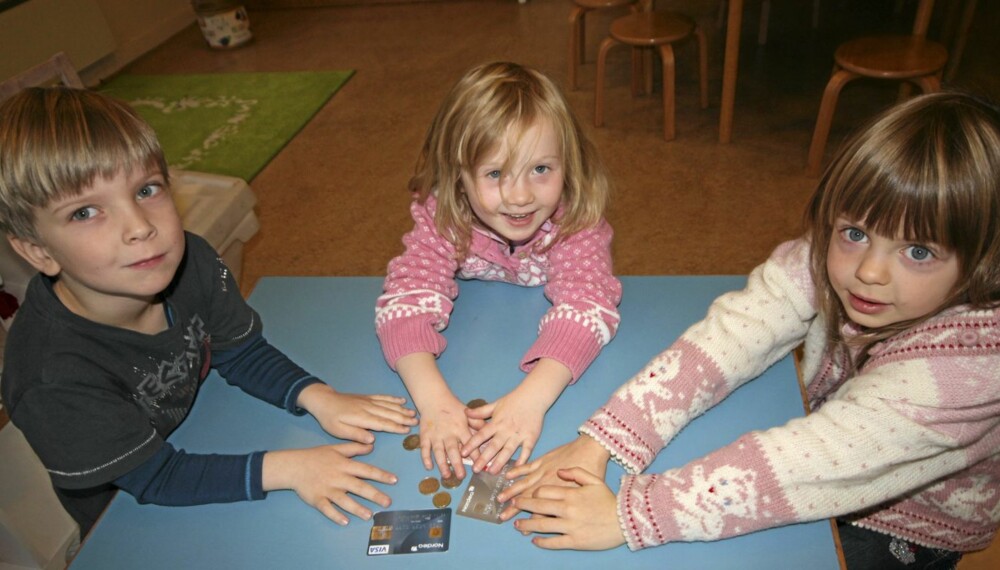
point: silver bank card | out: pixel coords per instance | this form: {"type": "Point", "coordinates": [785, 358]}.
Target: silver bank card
{"type": "Point", "coordinates": [480, 498]}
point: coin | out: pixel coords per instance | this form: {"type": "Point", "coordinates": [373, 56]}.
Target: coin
{"type": "Point", "coordinates": [477, 403]}
{"type": "Point", "coordinates": [442, 500]}
{"type": "Point", "coordinates": [428, 485]}
{"type": "Point", "coordinates": [451, 482]}
{"type": "Point", "coordinates": [411, 441]}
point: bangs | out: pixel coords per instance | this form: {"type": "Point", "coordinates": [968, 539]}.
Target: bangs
{"type": "Point", "coordinates": [82, 136]}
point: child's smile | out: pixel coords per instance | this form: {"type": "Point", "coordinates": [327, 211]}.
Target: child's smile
{"type": "Point", "coordinates": [514, 191]}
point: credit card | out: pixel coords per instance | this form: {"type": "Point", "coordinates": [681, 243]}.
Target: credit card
{"type": "Point", "coordinates": [480, 498]}
{"type": "Point", "coordinates": [409, 532]}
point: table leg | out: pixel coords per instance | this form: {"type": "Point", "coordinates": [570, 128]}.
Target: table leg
{"type": "Point", "coordinates": [730, 65]}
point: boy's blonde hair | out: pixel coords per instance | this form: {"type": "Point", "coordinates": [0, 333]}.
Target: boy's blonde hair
{"type": "Point", "coordinates": [929, 170]}
{"type": "Point", "coordinates": [54, 141]}
{"type": "Point", "coordinates": [490, 102]}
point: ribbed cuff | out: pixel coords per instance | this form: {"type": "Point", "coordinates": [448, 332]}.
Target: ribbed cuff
{"type": "Point", "coordinates": [254, 479]}
{"type": "Point", "coordinates": [566, 342]}
{"type": "Point", "coordinates": [406, 336]}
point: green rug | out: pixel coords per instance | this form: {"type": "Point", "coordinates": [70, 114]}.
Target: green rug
{"type": "Point", "coordinates": [230, 123]}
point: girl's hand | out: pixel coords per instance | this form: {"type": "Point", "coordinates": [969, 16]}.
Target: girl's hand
{"type": "Point", "coordinates": [443, 430]}
{"type": "Point", "coordinates": [515, 421]}
{"type": "Point", "coordinates": [583, 452]}
{"type": "Point", "coordinates": [584, 517]}
{"type": "Point", "coordinates": [323, 476]}
{"type": "Point", "coordinates": [350, 416]}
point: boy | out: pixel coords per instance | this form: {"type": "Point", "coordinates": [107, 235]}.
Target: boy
{"type": "Point", "coordinates": [125, 318]}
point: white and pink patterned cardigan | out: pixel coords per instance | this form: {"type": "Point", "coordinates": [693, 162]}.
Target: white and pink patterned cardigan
{"type": "Point", "coordinates": [910, 446]}
{"type": "Point", "coordinates": [420, 288]}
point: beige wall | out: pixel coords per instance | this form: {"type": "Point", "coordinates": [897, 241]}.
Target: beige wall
{"type": "Point", "coordinates": [100, 36]}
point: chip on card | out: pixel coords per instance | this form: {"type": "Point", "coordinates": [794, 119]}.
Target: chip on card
{"type": "Point", "coordinates": [409, 532]}
{"type": "Point", "coordinates": [480, 498]}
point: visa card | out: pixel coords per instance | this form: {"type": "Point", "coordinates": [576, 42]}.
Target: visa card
{"type": "Point", "coordinates": [409, 532]}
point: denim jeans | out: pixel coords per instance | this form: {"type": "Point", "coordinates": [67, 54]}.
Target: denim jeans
{"type": "Point", "coordinates": [869, 550]}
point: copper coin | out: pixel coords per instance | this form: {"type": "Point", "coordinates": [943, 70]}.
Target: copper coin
{"type": "Point", "coordinates": [411, 442]}
{"type": "Point", "coordinates": [451, 482]}
{"type": "Point", "coordinates": [477, 403]}
{"type": "Point", "coordinates": [428, 485]}
{"type": "Point", "coordinates": [442, 500]}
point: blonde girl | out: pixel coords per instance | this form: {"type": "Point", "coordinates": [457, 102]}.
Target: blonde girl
{"type": "Point", "coordinates": [894, 290]}
{"type": "Point", "coordinates": [507, 188]}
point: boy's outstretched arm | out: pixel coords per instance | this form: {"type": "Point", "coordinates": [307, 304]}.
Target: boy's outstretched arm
{"type": "Point", "coordinates": [443, 425]}
{"type": "Point", "coordinates": [515, 419]}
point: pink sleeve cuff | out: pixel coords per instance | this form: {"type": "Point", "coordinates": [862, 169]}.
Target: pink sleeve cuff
{"type": "Point", "coordinates": [400, 337]}
{"type": "Point", "coordinates": [566, 342]}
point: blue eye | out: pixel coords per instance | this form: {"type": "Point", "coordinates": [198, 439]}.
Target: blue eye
{"type": "Point", "coordinates": [148, 191]}
{"type": "Point", "coordinates": [918, 253]}
{"type": "Point", "coordinates": [84, 214]}
{"type": "Point", "coordinates": [493, 174]}
{"type": "Point", "coordinates": [541, 169]}
{"type": "Point", "coordinates": [854, 234]}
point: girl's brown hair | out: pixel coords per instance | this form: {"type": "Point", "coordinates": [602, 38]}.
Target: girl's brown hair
{"type": "Point", "coordinates": [490, 102]}
{"type": "Point", "coordinates": [928, 170]}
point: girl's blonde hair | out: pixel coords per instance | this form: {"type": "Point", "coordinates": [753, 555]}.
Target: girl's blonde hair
{"type": "Point", "coordinates": [928, 170]}
{"type": "Point", "coordinates": [490, 102]}
{"type": "Point", "coordinates": [54, 141]}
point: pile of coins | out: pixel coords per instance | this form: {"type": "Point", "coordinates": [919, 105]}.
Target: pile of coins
{"type": "Point", "coordinates": [431, 485]}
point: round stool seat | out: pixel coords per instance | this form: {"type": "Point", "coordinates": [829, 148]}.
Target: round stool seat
{"type": "Point", "coordinates": [891, 57]}
{"type": "Point", "coordinates": [651, 28]}
{"type": "Point", "coordinates": [602, 4]}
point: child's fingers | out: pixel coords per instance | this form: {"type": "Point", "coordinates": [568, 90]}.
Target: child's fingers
{"type": "Point", "coordinates": [347, 503]}
{"type": "Point", "coordinates": [480, 413]}
{"type": "Point", "coordinates": [353, 449]}
{"type": "Point", "coordinates": [326, 507]}
{"type": "Point", "coordinates": [478, 439]}
{"type": "Point", "coordinates": [454, 452]}
{"type": "Point", "coordinates": [441, 458]}
{"type": "Point", "coordinates": [389, 399]}
{"type": "Point", "coordinates": [347, 431]}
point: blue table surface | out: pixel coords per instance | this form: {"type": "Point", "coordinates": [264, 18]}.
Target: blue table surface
{"type": "Point", "coordinates": [326, 325]}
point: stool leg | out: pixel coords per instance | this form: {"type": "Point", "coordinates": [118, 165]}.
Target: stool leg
{"type": "Point", "coordinates": [638, 71]}
{"type": "Point", "coordinates": [702, 66]}
{"type": "Point", "coordinates": [928, 83]}
{"type": "Point", "coordinates": [667, 59]}
{"type": "Point", "coordinates": [576, 24]}
{"type": "Point", "coordinates": [825, 119]}
{"type": "Point", "coordinates": [602, 58]}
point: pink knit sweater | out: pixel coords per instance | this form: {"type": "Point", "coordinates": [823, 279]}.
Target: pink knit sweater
{"type": "Point", "coordinates": [576, 272]}
{"type": "Point", "coordinates": [910, 446]}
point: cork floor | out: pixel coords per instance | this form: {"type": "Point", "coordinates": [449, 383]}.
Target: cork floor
{"type": "Point", "coordinates": [334, 201]}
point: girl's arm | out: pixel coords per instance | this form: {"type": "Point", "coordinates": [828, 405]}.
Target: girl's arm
{"type": "Point", "coordinates": [585, 296]}
{"type": "Point", "coordinates": [443, 425]}
{"type": "Point", "coordinates": [419, 291]}
{"type": "Point", "coordinates": [744, 333]}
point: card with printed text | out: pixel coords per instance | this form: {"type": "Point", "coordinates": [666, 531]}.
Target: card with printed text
{"type": "Point", "coordinates": [480, 498]}
{"type": "Point", "coordinates": [410, 532]}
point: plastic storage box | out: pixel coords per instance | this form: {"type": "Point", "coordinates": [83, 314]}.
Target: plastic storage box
{"type": "Point", "coordinates": [218, 208]}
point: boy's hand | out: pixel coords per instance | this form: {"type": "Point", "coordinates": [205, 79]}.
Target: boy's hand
{"type": "Point", "coordinates": [323, 476]}
{"type": "Point", "coordinates": [350, 416]}
{"type": "Point", "coordinates": [443, 430]}
{"type": "Point", "coordinates": [515, 421]}
{"type": "Point", "coordinates": [583, 452]}
{"type": "Point", "coordinates": [584, 517]}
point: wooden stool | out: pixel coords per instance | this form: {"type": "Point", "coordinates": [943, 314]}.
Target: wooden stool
{"type": "Point", "coordinates": [577, 25]}
{"type": "Point", "coordinates": [645, 30]}
{"type": "Point", "coordinates": [910, 58]}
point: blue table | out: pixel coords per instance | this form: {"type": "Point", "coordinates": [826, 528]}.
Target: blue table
{"type": "Point", "coordinates": [326, 324]}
